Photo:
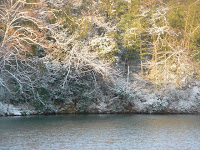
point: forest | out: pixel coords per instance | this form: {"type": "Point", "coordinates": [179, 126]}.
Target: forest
{"type": "Point", "coordinates": [69, 55]}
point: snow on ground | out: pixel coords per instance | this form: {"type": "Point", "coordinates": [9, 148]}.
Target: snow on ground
{"type": "Point", "coordinates": [9, 109]}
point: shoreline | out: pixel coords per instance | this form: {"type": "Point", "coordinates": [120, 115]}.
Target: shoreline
{"type": "Point", "coordinates": [136, 113]}
{"type": "Point", "coordinates": [139, 99]}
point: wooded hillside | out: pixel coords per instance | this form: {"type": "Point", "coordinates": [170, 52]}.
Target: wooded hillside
{"type": "Point", "coordinates": [54, 49]}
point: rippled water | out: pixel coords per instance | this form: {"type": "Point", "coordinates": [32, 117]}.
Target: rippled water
{"type": "Point", "coordinates": [101, 132]}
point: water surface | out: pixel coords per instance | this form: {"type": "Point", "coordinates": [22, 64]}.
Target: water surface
{"type": "Point", "coordinates": [101, 132]}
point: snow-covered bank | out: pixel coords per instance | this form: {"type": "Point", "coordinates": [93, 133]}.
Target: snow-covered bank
{"type": "Point", "coordinates": [11, 110]}
{"type": "Point", "coordinates": [137, 96]}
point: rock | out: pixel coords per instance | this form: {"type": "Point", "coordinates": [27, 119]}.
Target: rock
{"type": "Point", "coordinates": [67, 109]}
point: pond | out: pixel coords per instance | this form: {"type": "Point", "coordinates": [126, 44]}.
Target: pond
{"type": "Point", "coordinates": [100, 132]}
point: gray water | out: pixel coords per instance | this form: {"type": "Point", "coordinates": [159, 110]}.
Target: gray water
{"type": "Point", "coordinates": [101, 132]}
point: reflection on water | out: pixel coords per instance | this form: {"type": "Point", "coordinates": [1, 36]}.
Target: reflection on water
{"type": "Point", "coordinates": [101, 132]}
